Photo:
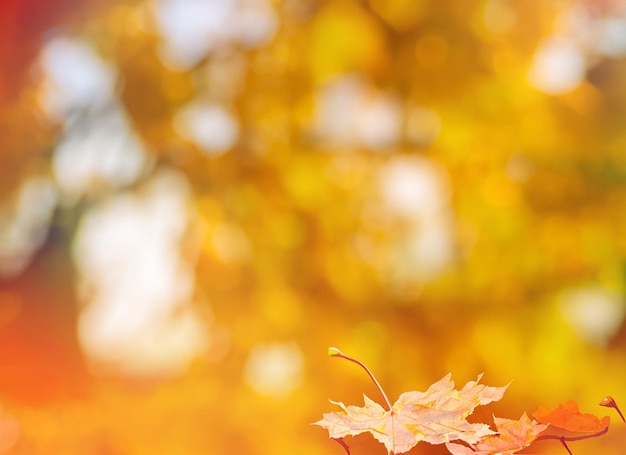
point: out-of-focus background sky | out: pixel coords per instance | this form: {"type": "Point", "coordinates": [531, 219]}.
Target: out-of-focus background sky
{"type": "Point", "coordinates": [198, 197]}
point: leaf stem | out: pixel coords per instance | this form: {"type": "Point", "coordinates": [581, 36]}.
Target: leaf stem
{"type": "Point", "coordinates": [334, 352]}
{"type": "Point", "coordinates": [565, 445]}
{"type": "Point", "coordinates": [609, 402]}
{"type": "Point", "coordinates": [564, 439]}
{"type": "Point", "coordinates": [343, 444]}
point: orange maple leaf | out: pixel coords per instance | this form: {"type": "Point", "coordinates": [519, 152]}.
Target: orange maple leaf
{"type": "Point", "coordinates": [435, 416]}
{"type": "Point", "coordinates": [567, 417]}
{"type": "Point", "coordinates": [512, 436]}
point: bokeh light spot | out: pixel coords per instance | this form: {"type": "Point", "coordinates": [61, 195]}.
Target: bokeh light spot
{"type": "Point", "coordinates": [104, 154]}
{"type": "Point", "coordinates": [211, 127]}
{"type": "Point", "coordinates": [275, 369]}
{"type": "Point", "coordinates": [595, 313]}
{"type": "Point", "coordinates": [350, 112]}
{"type": "Point", "coordinates": [558, 67]}
{"type": "Point", "coordinates": [75, 77]}
{"type": "Point", "coordinates": [190, 29]}
{"type": "Point", "coordinates": [136, 286]}
{"type": "Point", "coordinates": [413, 187]}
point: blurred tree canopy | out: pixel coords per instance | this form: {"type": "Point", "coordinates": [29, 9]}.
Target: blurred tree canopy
{"type": "Point", "coordinates": [198, 197]}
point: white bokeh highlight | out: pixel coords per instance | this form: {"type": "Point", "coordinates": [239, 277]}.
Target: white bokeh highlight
{"type": "Point", "coordinates": [136, 285]}
{"type": "Point", "coordinates": [275, 370]}
{"type": "Point", "coordinates": [75, 77]}
{"type": "Point", "coordinates": [349, 112]}
{"type": "Point", "coordinates": [102, 154]}
{"type": "Point", "coordinates": [211, 127]}
{"type": "Point", "coordinates": [558, 66]}
{"type": "Point", "coordinates": [413, 187]}
{"type": "Point", "coordinates": [413, 214]}
{"type": "Point", "coordinates": [611, 37]}
{"type": "Point", "coordinates": [594, 312]}
{"type": "Point", "coordinates": [190, 29]}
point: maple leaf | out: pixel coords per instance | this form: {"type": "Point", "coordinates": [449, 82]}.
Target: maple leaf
{"type": "Point", "coordinates": [435, 416]}
{"type": "Point", "coordinates": [512, 436]}
{"type": "Point", "coordinates": [567, 417]}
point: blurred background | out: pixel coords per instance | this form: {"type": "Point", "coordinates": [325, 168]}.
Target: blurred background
{"type": "Point", "coordinates": [198, 197]}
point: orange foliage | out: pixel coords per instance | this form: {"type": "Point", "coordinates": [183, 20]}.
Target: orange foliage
{"type": "Point", "coordinates": [197, 196]}
{"type": "Point", "coordinates": [567, 417]}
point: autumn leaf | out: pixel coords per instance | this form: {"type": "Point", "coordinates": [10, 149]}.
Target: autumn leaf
{"type": "Point", "coordinates": [435, 416]}
{"type": "Point", "coordinates": [512, 436]}
{"type": "Point", "coordinates": [567, 417]}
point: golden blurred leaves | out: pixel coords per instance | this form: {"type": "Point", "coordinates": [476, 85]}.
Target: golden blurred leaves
{"type": "Point", "coordinates": [379, 175]}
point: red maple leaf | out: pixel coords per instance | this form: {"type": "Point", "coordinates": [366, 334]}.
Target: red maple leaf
{"type": "Point", "coordinates": [567, 417]}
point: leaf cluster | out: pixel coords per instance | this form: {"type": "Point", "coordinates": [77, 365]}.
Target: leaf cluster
{"type": "Point", "coordinates": [439, 416]}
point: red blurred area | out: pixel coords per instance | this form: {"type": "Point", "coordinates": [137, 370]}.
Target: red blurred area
{"type": "Point", "coordinates": [40, 359]}
{"type": "Point", "coordinates": [23, 24]}
{"type": "Point", "coordinates": [39, 356]}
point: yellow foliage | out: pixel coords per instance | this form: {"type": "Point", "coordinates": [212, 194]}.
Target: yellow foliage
{"type": "Point", "coordinates": [430, 186]}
